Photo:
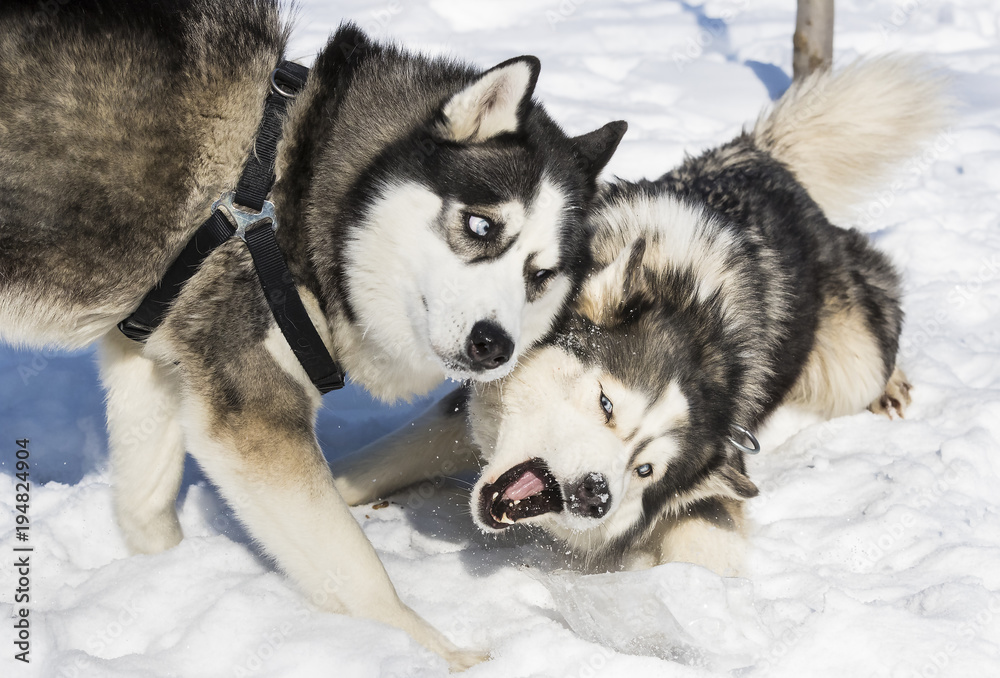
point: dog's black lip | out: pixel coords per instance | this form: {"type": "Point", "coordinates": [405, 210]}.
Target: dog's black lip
{"type": "Point", "coordinates": [548, 500]}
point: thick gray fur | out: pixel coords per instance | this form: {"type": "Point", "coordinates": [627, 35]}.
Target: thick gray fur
{"type": "Point", "coordinates": [123, 121]}
{"type": "Point", "coordinates": [715, 294]}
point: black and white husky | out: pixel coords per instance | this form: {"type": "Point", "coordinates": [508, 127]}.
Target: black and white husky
{"type": "Point", "coordinates": [428, 213]}
{"type": "Point", "coordinates": [716, 293]}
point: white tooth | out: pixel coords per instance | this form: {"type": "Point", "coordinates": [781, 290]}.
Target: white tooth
{"type": "Point", "coordinates": [516, 502]}
{"type": "Point", "coordinates": [506, 520]}
{"type": "Point", "coordinates": [495, 495]}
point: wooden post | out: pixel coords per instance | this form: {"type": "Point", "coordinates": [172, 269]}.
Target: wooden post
{"type": "Point", "coordinates": [813, 40]}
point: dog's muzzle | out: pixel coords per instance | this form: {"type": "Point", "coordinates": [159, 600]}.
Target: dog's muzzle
{"type": "Point", "coordinates": [525, 491]}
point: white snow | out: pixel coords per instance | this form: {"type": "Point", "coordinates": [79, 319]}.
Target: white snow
{"type": "Point", "coordinates": [876, 550]}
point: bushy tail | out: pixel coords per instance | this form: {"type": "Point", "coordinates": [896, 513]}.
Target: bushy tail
{"type": "Point", "coordinates": [842, 133]}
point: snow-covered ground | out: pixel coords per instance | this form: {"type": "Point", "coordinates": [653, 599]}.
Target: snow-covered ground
{"type": "Point", "coordinates": [876, 550]}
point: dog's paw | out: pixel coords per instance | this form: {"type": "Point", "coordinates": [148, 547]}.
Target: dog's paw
{"type": "Point", "coordinates": [460, 660]}
{"type": "Point", "coordinates": [896, 397]}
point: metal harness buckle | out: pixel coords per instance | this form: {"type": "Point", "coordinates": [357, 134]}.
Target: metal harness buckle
{"type": "Point", "coordinates": [242, 218]}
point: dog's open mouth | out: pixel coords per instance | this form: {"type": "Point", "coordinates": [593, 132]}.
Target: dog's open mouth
{"type": "Point", "coordinates": [525, 491]}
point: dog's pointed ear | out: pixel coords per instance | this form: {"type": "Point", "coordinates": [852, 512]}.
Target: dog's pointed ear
{"type": "Point", "coordinates": [595, 149]}
{"type": "Point", "coordinates": [350, 42]}
{"type": "Point", "coordinates": [604, 294]}
{"type": "Point", "coordinates": [494, 104]}
{"type": "Point", "coordinates": [736, 481]}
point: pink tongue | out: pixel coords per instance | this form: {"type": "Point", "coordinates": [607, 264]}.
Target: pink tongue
{"type": "Point", "coordinates": [527, 485]}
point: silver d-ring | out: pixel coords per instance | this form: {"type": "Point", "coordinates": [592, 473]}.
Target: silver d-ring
{"type": "Point", "coordinates": [276, 88]}
{"type": "Point", "coordinates": [749, 436]}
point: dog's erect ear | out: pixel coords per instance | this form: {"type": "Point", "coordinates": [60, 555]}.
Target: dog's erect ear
{"type": "Point", "coordinates": [349, 43]}
{"type": "Point", "coordinates": [737, 481]}
{"type": "Point", "coordinates": [346, 50]}
{"type": "Point", "coordinates": [596, 148]}
{"type": "Point", "coordinates": [604, 294]}
{"type": "Point", "coordinates": [493, 104]}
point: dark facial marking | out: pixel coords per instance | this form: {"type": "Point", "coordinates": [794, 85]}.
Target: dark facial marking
{"type": "Point", "coordinates": [643, 444]}
{"type": "Point", "coordinates": [478, 234]}
{"type": "Point", "coordinates": [536, 280]}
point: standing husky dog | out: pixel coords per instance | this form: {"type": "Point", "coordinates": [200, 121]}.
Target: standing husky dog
{"type": "Point", "coordinates": [429, 214]}
{"type": "Point", "coordinates": [716, 294]}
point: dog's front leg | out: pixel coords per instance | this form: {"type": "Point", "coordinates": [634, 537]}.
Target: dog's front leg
{"type": "Point", "coordinates": [249, 423]}
{"type": "Point", "coordinates": [435, 445]}
{"type": "Point", "coordinates": [147, 451]}
{"type": "Point", "coordinates": [713, 535]}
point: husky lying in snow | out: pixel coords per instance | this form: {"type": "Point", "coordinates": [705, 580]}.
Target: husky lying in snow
{"type": "Point", "coordinates": [428, 213]}
{"type": "Point", "coordinates": [716, 293]}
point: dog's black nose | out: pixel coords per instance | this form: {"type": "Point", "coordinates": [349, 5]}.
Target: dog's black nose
{"type": "Point", "coordinates": [591, 496]}
{"type": "Point", "coordinates": [489, 346]}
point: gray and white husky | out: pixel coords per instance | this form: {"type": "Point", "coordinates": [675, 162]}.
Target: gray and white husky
{"type": "Point", "coordinates": [430, 214]}
{"type": "Point", "coordinates": [716, 293]}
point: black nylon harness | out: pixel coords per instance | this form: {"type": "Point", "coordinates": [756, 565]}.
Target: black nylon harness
{"type": "Point", "coordinates": [247, 214]}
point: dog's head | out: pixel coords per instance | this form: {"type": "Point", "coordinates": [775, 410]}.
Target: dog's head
{"type": "Point", "coordinates": [465, 233]}
{"type": "Point", "coordinates": [624, 416]}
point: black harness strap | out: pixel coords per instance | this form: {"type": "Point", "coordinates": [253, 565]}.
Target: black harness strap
{"type": "Point", "coordinates": [255, 224]}
{"type": "Point", "coordinates": [153, 309]}
{"type": "Point", "coordinates": [288, 311]}
{"type": "Point", "coordinates": [258, 174]}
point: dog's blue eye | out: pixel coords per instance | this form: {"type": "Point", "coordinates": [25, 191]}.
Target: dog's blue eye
{"type": "Point", "coordinates": [543, 274]}
{"type": "Point", "coordinates": [606, 406]}
{"type": "Point", "coordinates": [645, 470]}
{"type": "Point", "coordinates": [479, 225]}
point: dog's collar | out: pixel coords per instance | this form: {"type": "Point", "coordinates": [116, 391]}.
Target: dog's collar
{"type": "Point", "coordinates": [247, 214]}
